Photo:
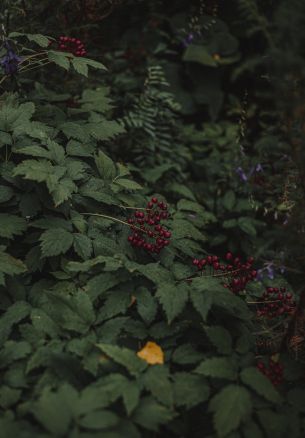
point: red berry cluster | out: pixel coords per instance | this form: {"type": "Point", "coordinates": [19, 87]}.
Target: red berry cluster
{"type": "Point", "coordinates": [275, 302]}
{"type": "Point", "coordinates": [72, 45]}
{"type": "Point", "coordinates": [147, 230]}
{"type": "Point", "coordinates": [237, 273]}
{"type": "Point", "coordinates": [274, 372]}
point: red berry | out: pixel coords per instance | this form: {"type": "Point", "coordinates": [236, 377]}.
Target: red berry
{"type": "Point", "coordinates": [154, 200]}
{"type": "Point", "coordinates": [229, 256]}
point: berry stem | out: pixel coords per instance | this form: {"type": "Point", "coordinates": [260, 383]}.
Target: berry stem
{"type": "Point", "coordinates": [135, 208]}
{"type": "Point", "coordinates": [262, 302]}
{"type": "Point", "coordinates": [134, 227]}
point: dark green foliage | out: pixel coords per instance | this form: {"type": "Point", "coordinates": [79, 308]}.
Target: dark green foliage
{"type": "Point", "coordinates": [83, 144]}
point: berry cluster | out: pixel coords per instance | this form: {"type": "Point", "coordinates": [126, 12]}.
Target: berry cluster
{"type": "Point", "coordinates": [274, 372]}
{"type": "Point", "coordinates": [147, 229]}
{"type": "Point", "coordinates": [72, 45]}
{"type": "Point", "coordinates": [275, 302]}
{"type": "Point", "coordinates": [237, 273]}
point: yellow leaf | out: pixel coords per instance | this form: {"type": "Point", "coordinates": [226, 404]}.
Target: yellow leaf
{"type": "Point", "coordinates": [152, 353]}
{"type": "Point", "coordinates": [275, 357]}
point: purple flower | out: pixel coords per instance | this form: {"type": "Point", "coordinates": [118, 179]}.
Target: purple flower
{"type": "Point", "coordinates": [259, 168]}
{"type": "Point", "coordinates": [270, 271]}
{"type": "Point", "coordinates": [259, 275]}
{"type": "Point", "coordinates": [10, 61]}
{"type": "Point", "coordinates": [241, 174]}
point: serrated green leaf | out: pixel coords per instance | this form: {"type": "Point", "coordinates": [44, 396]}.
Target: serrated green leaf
{"type": "Point", "coordinates": [80, 65]}
{"type": "Point", "coordinates": [82, 245]}
{"type": "Point", "coordinates": [9, 265]}
{"type": "Point", "coordinates": [186, 354]}
{"type": "Point", "coordinates": [55, 241]}
{"type": "Point", "coordinates": [218, 367]}
{"type": "Point", "coordinates": [54, 410]}
{"type": "Point", "coordinates": [128, 184]}
{"type": "Point", "coordinates": [39, 39]}
{"type": "Point", "coordinates": [11, 225]}
{"type": "Point", "coordinates": [105, 130]}
{"type": "Point", "coordinates": [105, 166]}
{"type": "Point", "coordinates": [95, 64]}
{"type": "Point", "coordinates": [124, 357]}
{"type": "Point", "coordinates": [98, 420]}
{"type": "Point", "coordinates": [253, 378]}
{"type": "Point", "coordinates": [182, 228]}
{"type": "Point", "coordinates": [220, 338]}
{"type": "Point", "coordinates": [13, 315]}
{"type": "Point", "coordinates": [173, 299]}
{"type": "Point", "coordinates": [60, 58]}
{"type": "Point", "coordinates": [190, 390]}
{"type": "Point", "coordinates": [230, 406]}
{"type": "Point", "coordinates": [146, 305]}
{"type": "Point", "coordinates": [157, 381]}
{"type": "Point", "coordinates": [151, 415]}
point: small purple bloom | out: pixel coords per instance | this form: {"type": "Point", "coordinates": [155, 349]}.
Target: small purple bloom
{"type": "Point", "coordinates": [270, 271]}
{"type": "Point", "coordinates": [259, 168]}
{"type": "Point", "coordinates": [10, 61]}
{"type": "Point", "coordinates": [190, 38]}
{"type": "Point", "coordinates": [259, 275]}
{"type": "Point", "coordinates": [241, 174]}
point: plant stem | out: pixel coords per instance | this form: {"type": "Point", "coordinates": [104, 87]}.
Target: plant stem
{"type": "Point", "coordinates": [115, 220]}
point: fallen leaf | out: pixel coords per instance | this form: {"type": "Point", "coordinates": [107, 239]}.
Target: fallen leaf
{"type": "Point", "coordinates": [151, 353]}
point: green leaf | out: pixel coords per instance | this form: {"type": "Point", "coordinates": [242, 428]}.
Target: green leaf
{"type": "Point", "coordinates": [111, 264]}
{"type": "Point", "coordinates": [13, 315]}
{"type": "Point", "coordinates": [218, 367]}
{"type": "Point", "coordinates": [221, 338]}
{"type": "Point", "coordinates": [97, 420]}
{"type": "Point", "coordinates": [80, 65]}
{"type": "Point", "coordinates": [199, 54]}
{"type": "Point", "coordinates": [182, 228]}
{"type": "Point", "coordinates": [259, 383]}
{"type": "Point", "coordinates": [11, 225]}
{"type": "Point", "coordinates": [128, 184]}
{"type": "Point", "coordinates": [153, 271]}
{"type": "Point", "coordinates": [190, 390]}
{"type": "Point", "coordinates": [186, 354]}
{"type": "Point", "coordinates": [39, 39]}
{"type": "Point", "coordinates": [202, 302]}
{"type": "Point", "coordinates": [82, 245]}
{"type": "Point", "coordinates": [246, 224]}
{"type": "Point", "coordinates": [54, 410]}
{"type": "Point", "coordinates": [8, 396]}
{"type": "Point", "coordinates": [9, 265]}
{"type": "Point", "coordinates": [230, 406]}
{"type": "Point", "coordinates": [105, 166]}
{"type": "Point", "coordinates": [157, 381]}
{"type": "Point", "coordinates": [229, 200]}
{"type": "Point", "coordinates": [150, 414]}
{"type": "Point", "coordinates": [154, 174]}
{"type": "Point", "coordinates": [95, 64]}
{"type": "Point", "coordinates": [124, 357]}
{"type": "Point", "coordinates": [173, 299]}
{"type": "Point", "coordinates": [105, 130]}
{"type": "Point", "coordinates": [6, 193]}
{"type": "Point", "coordinates": [60, 58]}
{"type": "Point", "coordinates": [146, 305]}
{"type": "Point", "coordinates": [55, 241]}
